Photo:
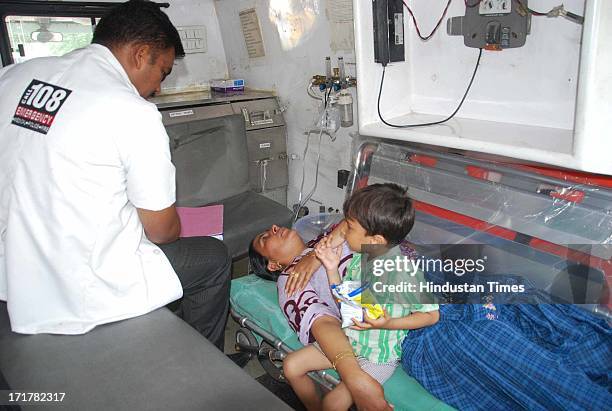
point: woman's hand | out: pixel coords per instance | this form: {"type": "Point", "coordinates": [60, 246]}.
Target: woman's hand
{"type": "Point", "coordinates": [300, 274]}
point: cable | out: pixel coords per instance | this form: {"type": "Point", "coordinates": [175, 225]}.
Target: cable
{"type": "Point", "coordinates": [416, 25]}
{"type": "Point", "coordinates": [558, 11]}
{"type": "Point", "coordinates": [434, 122]}
{"type": "Point", "coordinates": [316, 182]}
{"type": "Point", "coordinates": [535, 13]}
{"type": "Point", "coordinates": [319, 124]}
{"type": "Point", "coordinates": [309, 91]}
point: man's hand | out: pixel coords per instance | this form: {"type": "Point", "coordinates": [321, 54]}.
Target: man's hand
{"type": "Point", "coordinates": [300, 274]}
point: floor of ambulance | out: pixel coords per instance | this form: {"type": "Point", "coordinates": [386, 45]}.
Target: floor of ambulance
{"type": "Point", "coordinates": [253, 368]}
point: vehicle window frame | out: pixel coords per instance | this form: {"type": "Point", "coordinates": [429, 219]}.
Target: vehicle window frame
{"type": "Point", "coordinates": [82, 9]}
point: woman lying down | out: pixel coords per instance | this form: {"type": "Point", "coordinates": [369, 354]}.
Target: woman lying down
{"type": "Point", "coordinates": [535, 357]}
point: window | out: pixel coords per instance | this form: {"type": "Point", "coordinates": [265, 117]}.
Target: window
{"type": "Point", "coordinates": [31, 28]}
{"type": "Point", "coordinates": [37, 36]}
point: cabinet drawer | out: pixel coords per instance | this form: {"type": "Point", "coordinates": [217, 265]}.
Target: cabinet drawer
{"type": "Point", "coordinates": [266, 143]}
{"type": "Point", "coordinates": [259, 114]}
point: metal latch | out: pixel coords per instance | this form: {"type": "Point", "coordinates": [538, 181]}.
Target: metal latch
{"type": "Point", "coordinates": [257, 118]}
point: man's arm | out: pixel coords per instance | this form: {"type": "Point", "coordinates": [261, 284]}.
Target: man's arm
{"type": "Point", "coordinates": [160, 226]}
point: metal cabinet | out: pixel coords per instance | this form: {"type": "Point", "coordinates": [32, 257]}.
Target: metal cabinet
{"type": "Point", "coordinates": [267, 146]}
{"type": "Point", "coordinates": [266, 135]}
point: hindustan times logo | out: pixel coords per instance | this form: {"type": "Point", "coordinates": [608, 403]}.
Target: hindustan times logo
{"type": "Point", "coordinates": [412, 265]}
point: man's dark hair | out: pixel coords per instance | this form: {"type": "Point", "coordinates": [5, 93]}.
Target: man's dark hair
{"type": "Point", "coordinates": [382, 209]}
{"type": "Point", "coordinates": [259, 265]}
{"type": "Point", "coordinates": [138, 21]}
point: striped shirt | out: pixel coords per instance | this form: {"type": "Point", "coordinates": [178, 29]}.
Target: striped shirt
{"type": "Point", "coordinates": [378, 345]}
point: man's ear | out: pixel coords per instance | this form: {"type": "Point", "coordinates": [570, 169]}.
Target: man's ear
{"type": "Point", "coordinates": [141, 55]}
{"type": "Point", "coordinates": [274, 266]}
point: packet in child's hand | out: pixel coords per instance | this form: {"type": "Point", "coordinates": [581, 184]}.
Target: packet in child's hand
{"type": "Point", "coordinates": [349, 309]}
{"type": "Point", "coordinates": [349, 295]}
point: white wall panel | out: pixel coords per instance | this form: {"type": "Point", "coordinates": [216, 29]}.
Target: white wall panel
{"type": "Point", "coordinates": [297, 38]}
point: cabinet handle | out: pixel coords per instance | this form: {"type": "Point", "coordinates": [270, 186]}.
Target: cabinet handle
{"type": "Point", "coordinates": [245, 114]}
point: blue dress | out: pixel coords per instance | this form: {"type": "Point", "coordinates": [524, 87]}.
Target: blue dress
{"type": "Point", "coordinates": [505, 357]}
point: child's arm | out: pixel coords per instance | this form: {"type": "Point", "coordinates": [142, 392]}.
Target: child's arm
{"type": "Point", "coordinates": [336, 237]}
{"type": "Point", "coordinates": [330, 258]}
{"type": "Point", "coordinates": [310, 263]}
{"type": "Point", "coordinates": [413, 321]}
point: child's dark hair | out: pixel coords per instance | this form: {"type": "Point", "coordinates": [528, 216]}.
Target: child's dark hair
{"type": "Point", "coordinates": [382, 209]}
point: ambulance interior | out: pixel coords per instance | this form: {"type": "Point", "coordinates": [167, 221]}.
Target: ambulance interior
{"type": "Point", "coordinates": [494, 114]}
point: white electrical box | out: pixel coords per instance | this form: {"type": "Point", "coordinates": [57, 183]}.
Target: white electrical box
{"type": "Point", "coordinates": [193, 39]}
{"type": "Point", "coordinates": [547, 102]}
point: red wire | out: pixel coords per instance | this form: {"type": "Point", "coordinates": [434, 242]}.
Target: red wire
{"type": "Point", "coordinates": [416, 25]}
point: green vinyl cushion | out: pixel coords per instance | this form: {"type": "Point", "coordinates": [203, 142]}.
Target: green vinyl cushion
{"type": "Point", "coordinates": [256, 299]}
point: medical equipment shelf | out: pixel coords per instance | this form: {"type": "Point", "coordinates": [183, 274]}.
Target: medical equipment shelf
{"type": "Point", "coordinates": [546, 102]}
{"type": "Point", "coordinates": [194, 98]}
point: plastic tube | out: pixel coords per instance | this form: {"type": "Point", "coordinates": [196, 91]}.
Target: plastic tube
{"type": "Point", "coordinates": [328, 70]}
{"type": "Point", "coordinates": [341, 73]}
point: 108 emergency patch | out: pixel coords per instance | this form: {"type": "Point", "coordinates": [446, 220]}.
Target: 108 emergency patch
{"type": "Point", "coordinates": [39, 105]}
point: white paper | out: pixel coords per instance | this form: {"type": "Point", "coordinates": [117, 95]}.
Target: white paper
{"type": "Point", "coordinates": [340, 16]}
{"type": "Point", "coordinates": [252, 33]}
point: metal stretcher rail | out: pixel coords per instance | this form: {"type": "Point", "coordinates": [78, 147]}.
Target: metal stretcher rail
{"type": "Point", "coordinates": [322, 377]}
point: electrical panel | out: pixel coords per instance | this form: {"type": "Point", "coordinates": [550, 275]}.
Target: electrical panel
{"type": "Point", "coordinates": [193, 39]}
{"type": "Point", "coordinates": [388, 18]}
{"type": "Point", "coordinates": [493, 25]}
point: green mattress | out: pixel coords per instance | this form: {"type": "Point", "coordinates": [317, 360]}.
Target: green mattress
{"type": "Point", "coordinates": [256, 299]}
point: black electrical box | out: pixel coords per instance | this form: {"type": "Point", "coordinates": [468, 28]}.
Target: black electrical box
{"type": "Point", "coordinates": [388, 31]}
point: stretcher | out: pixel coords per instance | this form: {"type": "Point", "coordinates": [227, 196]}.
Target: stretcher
{"type": "Point", "coordinates": [553, 227]}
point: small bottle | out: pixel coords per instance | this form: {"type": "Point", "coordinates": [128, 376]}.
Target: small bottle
{"type": "Point", "coordinates": [345, 104]}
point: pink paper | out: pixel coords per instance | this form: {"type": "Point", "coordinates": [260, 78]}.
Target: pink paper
{"type": "Point", "coordinates": [201, 221]}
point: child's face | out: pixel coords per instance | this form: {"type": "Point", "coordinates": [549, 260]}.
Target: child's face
{"type": "Point", "coordinates": [355, 235]}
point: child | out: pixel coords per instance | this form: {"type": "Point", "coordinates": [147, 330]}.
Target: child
{"type": "Point", "coordinates": [380, 214]}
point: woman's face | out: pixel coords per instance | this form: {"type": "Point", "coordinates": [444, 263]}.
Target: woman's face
{"type": "Point", "coordinates": [279, 244]}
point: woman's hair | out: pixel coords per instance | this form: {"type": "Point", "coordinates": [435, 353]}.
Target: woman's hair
{"type": "Point", "coordinates": [259, 264]}
{"type": "Point", "coordinates": [382, 209]}
{"type": "Point", "coordinates": [138, 21]}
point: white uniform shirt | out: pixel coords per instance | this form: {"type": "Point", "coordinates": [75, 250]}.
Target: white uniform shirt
{"type": "Point", "coordinates": [79, 152]}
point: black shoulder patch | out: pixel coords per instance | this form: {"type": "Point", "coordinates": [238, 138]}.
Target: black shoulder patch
{"type": "Point", "coordinates": [39, 105]}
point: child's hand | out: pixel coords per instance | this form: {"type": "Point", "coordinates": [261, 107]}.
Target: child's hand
{"type": "Point", "coordinates": [327, 254]}
{"type": "Point", "coordinates": [368, 323]}
{"type": "Point", "coordinates": [336, 239]}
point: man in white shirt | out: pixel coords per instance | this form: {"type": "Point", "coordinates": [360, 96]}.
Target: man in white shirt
{"type": "Point", "coordinates": [87, 188]}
